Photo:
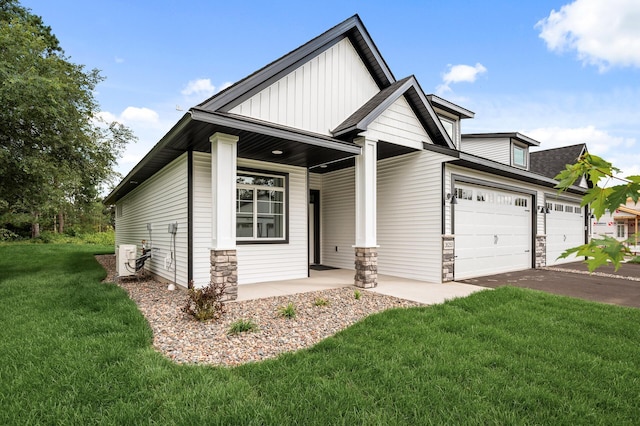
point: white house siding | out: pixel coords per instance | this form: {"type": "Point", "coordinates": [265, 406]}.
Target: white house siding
{"type": "Point", "coordinates": [256, 262]}
{"type": "Point", "coordinates": [272, 262]}
{"type": "Point", "coordinates": [337, 218]}
{"type": "Point", "coordinates": [399, 125]}
{"type": "Point", "coordinates": [317, 96]}
{"type": "Point", "coordinates": [494, 149]}
{"type": "Point", "coordinates": [409, 216]}
{"type": "Point", "coordinates": [160, 200]}
{"type": "Point", "coordinates": [201, 218]}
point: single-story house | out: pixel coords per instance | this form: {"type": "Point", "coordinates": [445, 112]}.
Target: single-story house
{"type": "Point", "coordinates": [323, 157]}
{"type": "Point", "coordinates": [621, 224]}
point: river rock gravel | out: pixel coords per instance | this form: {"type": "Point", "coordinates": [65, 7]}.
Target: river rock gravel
{"type": "Point", "coordinates": [186, 340]}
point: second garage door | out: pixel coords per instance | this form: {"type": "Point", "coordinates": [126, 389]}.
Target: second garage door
{"type": "Point", "coordinates": [492, 231]}
{"type": "Point", "coordinates": [565, 229]}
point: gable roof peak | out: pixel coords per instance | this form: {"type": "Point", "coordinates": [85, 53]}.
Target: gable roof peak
{"type": "Point", "coordinates": [351, 28]}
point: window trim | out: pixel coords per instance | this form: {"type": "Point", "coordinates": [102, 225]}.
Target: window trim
{"type": "Point", "coordinates": [525, 164]}
{"type": "Point", "coordinates": [277, 174]}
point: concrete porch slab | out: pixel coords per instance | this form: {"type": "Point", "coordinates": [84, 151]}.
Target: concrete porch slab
{"type": "Point", "coordinates": [418, 291]}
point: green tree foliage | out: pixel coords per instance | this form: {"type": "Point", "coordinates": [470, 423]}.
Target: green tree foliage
{"type": "Point", "coordinates": [600, 251]}
{"type": "Point", "coordinates": [55, 152]}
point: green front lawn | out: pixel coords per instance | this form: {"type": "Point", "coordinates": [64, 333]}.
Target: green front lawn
{"type": "Point", "coordinates": [74, 351]}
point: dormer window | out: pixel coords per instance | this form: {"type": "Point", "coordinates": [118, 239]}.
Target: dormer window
{"type": "Point", "coordinates": [519, 156]}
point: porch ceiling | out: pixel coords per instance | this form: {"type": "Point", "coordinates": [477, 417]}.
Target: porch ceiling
{"type": "Point", "coordinates": [257, 141]}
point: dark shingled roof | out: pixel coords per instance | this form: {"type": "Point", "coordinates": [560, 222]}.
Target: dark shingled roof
{"type": "Point", "coordinates": [550, 162]}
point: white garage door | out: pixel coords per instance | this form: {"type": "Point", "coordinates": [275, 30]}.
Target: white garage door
{"type": "Point", "coordinates": [565, 229]}
{"type": "Point", "coordinates": [492, 231]}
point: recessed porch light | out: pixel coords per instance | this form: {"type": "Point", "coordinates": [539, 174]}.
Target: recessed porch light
{"type": "Point", "coordinates": [323, 166]}
{"type": "Point", "coordinates": [276, 152]}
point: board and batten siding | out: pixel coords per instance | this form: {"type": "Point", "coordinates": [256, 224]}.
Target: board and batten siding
{"type": "Point", "coordinates": [317, 96]}
{"type": "Point", "coordinates": [498, 149]}
{"type": "Point", "coordinates": [256, 262]}
{"type": "Point", "coordinates": [160, 200]}
{"type": "Point", "coordinates": [398, 124]}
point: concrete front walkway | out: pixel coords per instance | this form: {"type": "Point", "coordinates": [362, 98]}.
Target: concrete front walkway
{"type": "Point", "coordinates": [418, 291]}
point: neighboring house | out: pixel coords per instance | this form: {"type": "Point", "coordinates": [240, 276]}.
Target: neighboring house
{"type": "Point", "coordinates": [621, 224]}
{"type": "Point", "coordinates": [323, 157]}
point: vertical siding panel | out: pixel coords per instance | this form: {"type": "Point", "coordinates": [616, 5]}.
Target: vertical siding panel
{"type": "Point", "coordinates": [320, 94]}
{"type": "Point", "coordinates": [160, 200]}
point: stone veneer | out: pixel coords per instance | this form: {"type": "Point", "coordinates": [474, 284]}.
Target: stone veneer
{"type": "Point", "coordinates": [541, 251]}
{"type": "Point", "coordinates": [366, 267]}
{"type": "Point", "coordinates": [224, 270]}
{"type": "Point", "coordinates": [448, 257]}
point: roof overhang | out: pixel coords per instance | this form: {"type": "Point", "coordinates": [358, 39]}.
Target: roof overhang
{"type": "Point", "coordinates": [450, 107]}
{"type": "Point", "coordinates": [629, 211]}
{"type": "Point", "coordinates": [257, 140]}
{"type": "Point", "coordinates": [510, 135]}
{"type": "Point", "coordinates": [474, 162]}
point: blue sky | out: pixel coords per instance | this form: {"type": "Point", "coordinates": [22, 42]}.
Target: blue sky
{"type": "Point", "coordinates": [561, 72]}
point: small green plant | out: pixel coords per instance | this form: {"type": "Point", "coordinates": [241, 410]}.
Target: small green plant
{"type": "Point", "coordinates": [635, 260]}
{"type": "Point", "coordinates": [357, 294]}
{"type": "Point", "coordinates": [320, 301]}
{"type": "Point", "coordinates": [205, 303]}
{"type": "Point", "coordinates": [288, 311]}
{"type": "Point", "coordinates": [242, 326]}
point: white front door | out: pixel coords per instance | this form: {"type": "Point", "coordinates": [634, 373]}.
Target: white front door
{"type": "Point", "coordinates": [492, 231]}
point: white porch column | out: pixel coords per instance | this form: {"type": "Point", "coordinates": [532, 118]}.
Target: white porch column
{"type": "Point", "coordinates": [223, 191]}
{"type": "Point", "coordinates": [224, 259]}
{"type": "Point", "coordinates": [366, 176]}
{"type": "Point", "coordinates": [366, 248]}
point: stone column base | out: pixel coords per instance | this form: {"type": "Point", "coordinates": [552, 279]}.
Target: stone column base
{"type": "Point", "coordinates": [448, 258]}
{"type": "Point", "coordinates": [541, 251]}
{"type": "Point", "coordinates": [366, 267]}
{"type": "Point", "coordinates": [224, 270]}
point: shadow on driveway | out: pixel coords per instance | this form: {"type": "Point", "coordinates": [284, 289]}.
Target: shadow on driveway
{"type": "Point", "coordinates": [572, 279]}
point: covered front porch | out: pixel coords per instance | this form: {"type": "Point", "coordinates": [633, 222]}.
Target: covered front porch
{"type": "Point", "coordinates": [403, 288]}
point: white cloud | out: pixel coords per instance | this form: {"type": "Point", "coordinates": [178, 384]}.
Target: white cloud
{"type": "Point", "coordinates": [460, 74]}
{"type": "Point", "coordinates": [603, 33]}
{"type": "Point", "coordinates": [598, 141]}
{"type": "Point", "coordinates": [201, 87]}
{"type": "Point", "coordinates": [139, 115]}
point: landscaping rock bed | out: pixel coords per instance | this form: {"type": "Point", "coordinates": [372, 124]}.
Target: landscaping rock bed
{"type": "Point", "coordinates": [185, 340]}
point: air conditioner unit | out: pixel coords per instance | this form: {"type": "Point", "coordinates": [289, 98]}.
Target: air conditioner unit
{"type": "Point", "coordinates": [126, 260]}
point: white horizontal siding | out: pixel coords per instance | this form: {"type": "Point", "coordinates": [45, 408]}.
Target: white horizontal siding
{"type": "Point", "coordinates": [337, 218]}
{"type": "Point", "coordinates": [496, 149]}
{"type": "Point", "coordinates": [202, 206]}
{"type": "Point", "coordinates": [409, 216]}
{"type": "Point", "coordinates": [160, 200]}
{"type": "Point", "coordinates": [399, 125]}
{"type": "Point", "coordinates": [273, 262]}
{"type": "Point", "coordinates": [256, 262]}
{"type": "Point", "coordinates": [318, 95]}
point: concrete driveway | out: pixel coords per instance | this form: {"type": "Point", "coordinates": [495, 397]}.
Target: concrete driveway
{"type": "Point", "coordinates": [573, 279]}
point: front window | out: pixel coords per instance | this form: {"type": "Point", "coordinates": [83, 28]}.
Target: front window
{"type": "Point", "coordinates": [620, 230]}
{"type": "Point", "coordinates": [260, 206]}
{"type": "Point", "coordinates": [519, 156]}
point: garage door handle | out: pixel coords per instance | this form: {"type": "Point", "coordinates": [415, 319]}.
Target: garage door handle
{"type": "Point", "coordinates": [495, 239]}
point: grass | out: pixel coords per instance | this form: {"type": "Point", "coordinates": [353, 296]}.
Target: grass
{"type": "Point", "coordinates": [74, 351]}
{"type": "Point", "coordinates": [242, 326]}
{"type": "Point", "coordinates": [288, 311]}
{"type": "Point", "coordinates": [635, 260]}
